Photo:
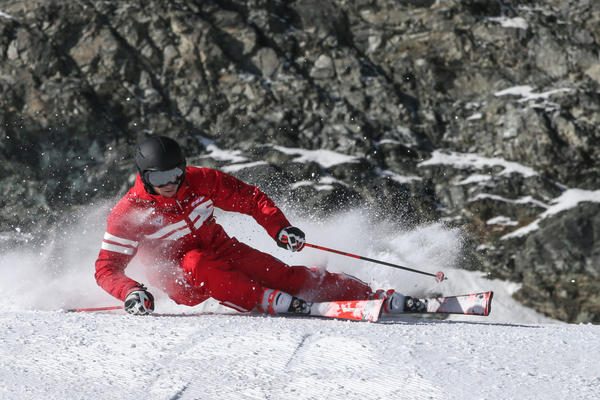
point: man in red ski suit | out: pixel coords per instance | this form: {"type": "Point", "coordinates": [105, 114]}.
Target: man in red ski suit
{"type": "Point", "coordinates": [167, 220]}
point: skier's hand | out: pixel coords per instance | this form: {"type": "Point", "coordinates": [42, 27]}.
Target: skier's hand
{"type": "Point", "coordinates": [139, 302]}
{"type": "Point", "coordinates": [291, 238]}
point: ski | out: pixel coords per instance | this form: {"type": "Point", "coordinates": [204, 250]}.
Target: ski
{"type": "Point", "coordinates": [370, 310]}
{"type": "Point", "coordinates": [468, 304]}
{"type": "Point", "coordinates": [355, 310]}
{"type": "Point", "coordinates": [93, 309]}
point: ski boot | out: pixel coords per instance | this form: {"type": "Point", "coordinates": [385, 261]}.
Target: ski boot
{"type": "Point", "coordinates": [415, 305]}
{"type": "Point", "coordinates": [299, 306]}
{"type": "Point", "coordinates": [278, 302]}
{"type": "Point", "coordinates": [395, 303]}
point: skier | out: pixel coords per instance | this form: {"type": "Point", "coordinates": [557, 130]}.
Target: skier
{"type": "Point", "coordinates": [167, 220]}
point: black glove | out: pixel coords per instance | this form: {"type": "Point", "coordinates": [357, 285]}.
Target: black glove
{"type": "Point", "coordinates": [291, 238]}
{"type": "Point", "coordinates": [139, 302]}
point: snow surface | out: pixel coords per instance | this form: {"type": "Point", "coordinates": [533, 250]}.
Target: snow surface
{"type": "Point", "coordinates": [475, 178]}
{"type": "Point", "coordinates": [397, 177]}
{"type": "Point", "coordinates": [505, 22]}
{"type": "Point", "coordinates": [192, 353]}
{"type": "Point", "coordinates": [570, 198]}
{"type": "Point", "coordinates": [323, 183]}
{"type": "Point", "coordinates": [51, 355]}
{"type": "Point", "coordinates": [326, 158]}
{"type": "Point", "coordinates": [475, 117]}
{"type": "Point", "coordinates": [238, 167]}
{"type": "Point", "coordinates": [520, 200]}
{"type": "Point", "coordinates": [216, 153]}
{"type": "Point", "coordinates": [502, 220]}
{"type": "Point", "coordinates": [224, 155]}
{"type": "Point", "coordinates": [475, 161]}
{"type": "Point", "coordinates": [5, 15]}
{"type": "Point", "coordinates": [526, 92]}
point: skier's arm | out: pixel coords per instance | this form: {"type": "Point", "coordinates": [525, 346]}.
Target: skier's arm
{"type": "Point", "coordinates": [231, 194]}
{"type": "Point", "coordinates": [110, 274]}
{"type": "Point", "coordinates": [119, 245]}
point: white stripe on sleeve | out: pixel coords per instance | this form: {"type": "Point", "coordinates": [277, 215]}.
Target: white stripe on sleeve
{"type": "Point", "coordinates": [120, 240]}
{"type": "Point", "coordinates": [117, 249]}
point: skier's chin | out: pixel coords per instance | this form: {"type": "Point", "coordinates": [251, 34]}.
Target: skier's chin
{"type": "Point", "coordinates": [167, 191]}
{"type": "Point", "coordinates": [169, 194]}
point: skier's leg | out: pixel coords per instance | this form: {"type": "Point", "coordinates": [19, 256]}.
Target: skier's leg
{"type": "Point", "coordinates": [169, 278]}
{"type": "Point", "coordinates": [232, 288]}
{"type": "Point", "coordinates": [310, 284]}
{"type": "Point", "coordinates": [217, 279]}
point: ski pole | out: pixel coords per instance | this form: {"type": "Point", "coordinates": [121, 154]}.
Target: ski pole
{"type": "Point", "coordinates": [439, 276]}
{"type": "Point", "coordinates": [94, 309]}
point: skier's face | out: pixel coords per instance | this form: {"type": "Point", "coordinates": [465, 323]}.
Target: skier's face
{"type": "Point", "coordinates": [169, 190]}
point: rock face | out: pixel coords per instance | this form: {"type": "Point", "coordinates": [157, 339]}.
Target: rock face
{"type": "Point", "coordinates": [560, 265]}
{"type": "Point", "coordinates": [405, 92]}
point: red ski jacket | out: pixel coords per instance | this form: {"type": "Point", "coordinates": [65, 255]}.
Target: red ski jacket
{"type": "Point", "coordinates": [164, 229]}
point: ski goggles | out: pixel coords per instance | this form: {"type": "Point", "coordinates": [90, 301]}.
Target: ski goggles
{"type": "Point", "coordinates": [164, 178]}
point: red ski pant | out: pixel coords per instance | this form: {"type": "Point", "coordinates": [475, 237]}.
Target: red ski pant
{"type": "Point", "coordinates": [238, 277]}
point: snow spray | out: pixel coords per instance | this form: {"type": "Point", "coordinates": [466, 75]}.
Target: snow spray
{"type": "Point", "coordinates": [59, 272]}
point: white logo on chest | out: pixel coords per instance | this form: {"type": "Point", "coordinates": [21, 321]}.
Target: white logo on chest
{"type": "Point", "coordinates": [174, 231]}
{"type": "Point", "coordinates": [159, 220]}
{"type": "Point", "coordinates": [201, 213]}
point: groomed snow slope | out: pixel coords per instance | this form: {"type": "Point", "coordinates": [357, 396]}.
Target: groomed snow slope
{"type": "Point", "coordinates": [53, 355]}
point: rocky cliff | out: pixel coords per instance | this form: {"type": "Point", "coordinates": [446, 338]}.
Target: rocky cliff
{"type": "Point", "coordinates": [481, 113]}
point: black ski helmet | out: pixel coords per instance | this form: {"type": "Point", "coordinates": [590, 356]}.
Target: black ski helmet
{"type": "Point", "coordinates": [158, 153]}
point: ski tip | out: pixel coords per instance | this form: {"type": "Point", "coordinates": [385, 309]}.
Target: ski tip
{"type": "Point", "coordinates": [488, 308]}
{"type": "Point", "coordinates": [373, 310]}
